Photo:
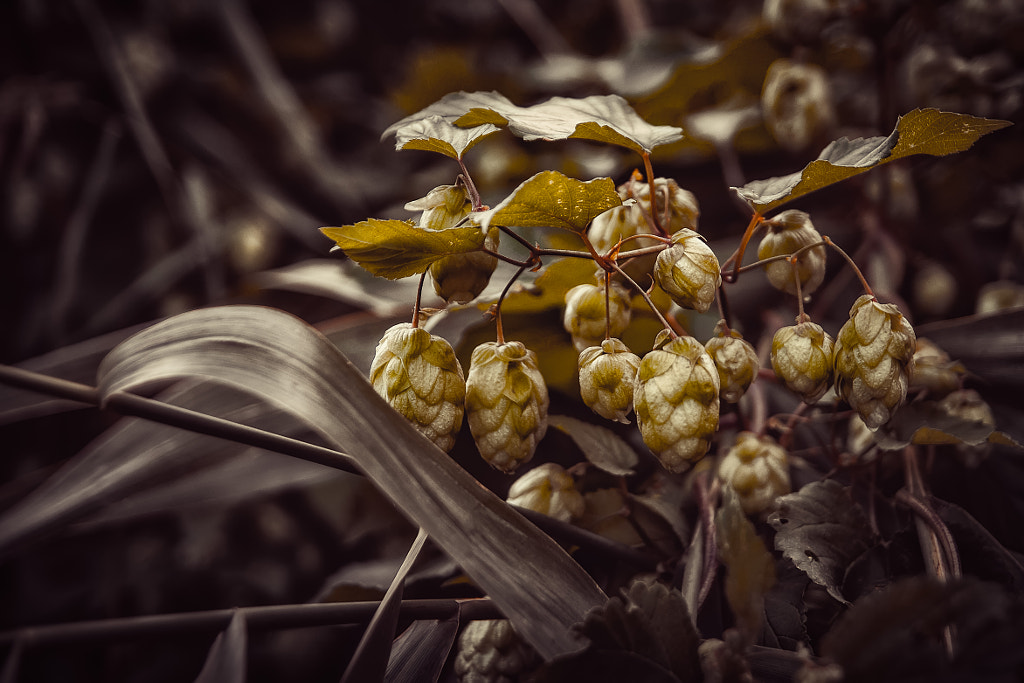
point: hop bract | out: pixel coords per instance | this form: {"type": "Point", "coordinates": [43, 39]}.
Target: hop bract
{"type": "Point", "coordinates": [689, 271]}
{"type": "Point", "coordinates": [585, 315]}
{"type": "Point", "coordinates": [420, 377]}
{"type": "Point", "coordinates": [874, 359]}
{"type": "Point", "coordinates": [490, 651]}
{"type": "Point", "coordinates": [676, 402]}
{"type": "Point", "coordinates": [788, 232]}
{"type": "Point", "coordinates": [675, 207]}
{"type": "Point", "coordinates": [506, 403]}
{"type": "Point", "coordinates": [736, 360]}
{"type": "Point", "coordinates": [608, 379]}
{"type": "Point", "coordinates": [802, 357]}
{"type": "Point", "coordinates": [757, 469]}
{"type": "Point", "coordinates": [548, 489]}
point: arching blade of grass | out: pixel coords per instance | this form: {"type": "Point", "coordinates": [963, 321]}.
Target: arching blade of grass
{"type": "Point", "coordinates": [289, 364]}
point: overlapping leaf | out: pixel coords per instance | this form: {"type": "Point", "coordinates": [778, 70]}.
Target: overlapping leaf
{"type": "Point", "coordinates": [465, 109]}
{"type": "Point", "coordinates": [602, 447]}
{"type": "Point", "coordinates": [553, 200]}
{"type": "Point", "coordinates": [751, 568]}
{"type": "Point", "coordinates": [396, 249]}
{"type": "Point", "coordinates": [928, 422]}
{"type": "Point", "coordinates": [287, 363]}
{"type": "Point", "coordinates": [922, 131]}
{"type": "Point", "coordinates": [438, 134]}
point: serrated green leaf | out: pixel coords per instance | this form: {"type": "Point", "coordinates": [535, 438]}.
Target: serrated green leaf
{"type": "Point", "coordinates": [395, 249]}
{"type": "Point", "coordinates": [922, 131]}
{"type": "Point", "coordinates": [438, 134]}
{"type": "Point", "coordinates": [602, 447]}
{"type": "Point", "coordinates": [552, 200]}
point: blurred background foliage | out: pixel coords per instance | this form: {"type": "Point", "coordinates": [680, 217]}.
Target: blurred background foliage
{"type": "Point", "coordinates": [161, 156]}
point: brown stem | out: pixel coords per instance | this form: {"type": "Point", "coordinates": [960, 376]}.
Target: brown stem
{"type": "Point", "coordinates": [474, 194]}
{"type": "Point", "coordinates": [647, 298]}
{"type": "Point", "coordinates": [800, 316]}
{"type": "Point", "coordinates": [737, 258]}
{"type": "Point", "coordinates": [497, 307]}
{"type": "Point", "coordinates": [649, 171]}
{"type": "Point", "coordinates": [853, 265]}
{"type": "Point", "coordinates": [419, 295]}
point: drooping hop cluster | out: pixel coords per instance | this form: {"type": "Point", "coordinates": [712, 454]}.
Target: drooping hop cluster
{"type": "Point", "coordinates": [490, 651]}
{"type": "Point", "coordinates": [802, 357]}
{"type": "Point", "coordinates": [689, 271]}
{"type": "Point", "coordinates": [736, 360]}
{"type": "Point", "coordinates": [676, 402]}
{"type": "Point", "coordinates": [608, 379]}
{"type": "Point", "coordinates": [789, 232]}
{"type": "Point", "coordinates": [874, 358]}
{"type": "Point", "coordinates": [506, 403]}
{"type": "Point", "coordinates": [461, 277]}
{"type": "Point", "coordinates": [418, 374]}
{"type": "Point", "coordinates": [550, 490]}
{"type": "Point", "coordinates": [757, 469]}
{"type": "Point", "coordinates": [585, 315]}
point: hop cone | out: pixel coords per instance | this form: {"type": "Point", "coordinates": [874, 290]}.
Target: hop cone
{"type": "Point", "coordinates": [490, 651]}
{"type": "Point", "coordinates": [585, 317]}
{"type": "Point", "coordinates": [689, 271]}
{"type": "Point", "coordinates": [506, 403]}
{"type": "Point", "coordinates": [621, 222]}
{"type": "Point", "coordinates": [548, 489]}
{"type": "Point", "coordinates": [608, 379]}
{"type": "Point", "coordinates": [676, 402]}
{"type": "Point", "coordinates": [736, 361]}
{"type": "Point", "coordinates": [789, 231]}
{"type": "Point", "coordinates": [802, 357]}
{"type": "Point", "coordinates": [756, 467]}
{"type": "Point", "coordinates": [419, 375]}
{"type": "Point", "coordinates": [874, 359]}
{"type": "Point", "coordinates": [934, 370]}
{"type": "Point", "coordinates": [676, 208]}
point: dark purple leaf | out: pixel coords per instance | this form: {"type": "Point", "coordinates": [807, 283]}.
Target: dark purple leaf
{"type": "Point", "coordinates": [226, 662]}
{"type": "Point", "coordinates": [420, 652]}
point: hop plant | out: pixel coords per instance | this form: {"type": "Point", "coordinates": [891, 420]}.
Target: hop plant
{"type": "Point", "coordinates": [676, 402]}
{"type": "Point", "coordinates": [689, 271]}
{"type": "Point", "coordinates": [490, 651]}
{"type": "Point", "coordinates": [608, 379]}
{"type": "Point", "coordinates": [802, 357]}
{"type": "Point", "coordinates": [585, 315]}
{"type": "Point", "coordinates": [506, 403]}
{"type": "Point", "coordinates": [788, 232]}
{"type": "Point", "coordinates": [757, 469]}
{"type": "Point", "coordinates": [675, 207]}
{"type": "Point", "coordinates": [418, 374]}
{"type": "Point", "coordinates": [735, 359]}
{"type": "Point", "coordinates": [550, 490]}
{"type": "Point", "coordinates": [797, 103]}
{"type": "Point", "coordinates": [934, 370]}
{"type": "Point", "coordinates": [874, 359]}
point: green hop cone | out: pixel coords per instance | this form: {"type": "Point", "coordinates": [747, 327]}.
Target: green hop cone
{"type": "Point", "coordinates": [757, 469]}
{"type": "Point", "coordinates": [675, 207]}
{"type": "Point", "coordinates": [689, 271]}
{"type": "Point", "coordinates": [802, 357]}
{"type": "Point", "coordinates": [549, 490]}
{"type": "Point", "coordinates": [506, 403]}
{"type": "Point", "coordinates": [585, 317]}
{"type": "Point", "coordinates": [874, 359]}
{"type": "Point", "coordinates": [788, 232]}
{"type": "Point", "coordinates": [676, 402]}
{"type": "Point", "coordinates": [608, 379]}
{"type": "Point", "coordinates": [418, 374]}
{"type": "Point", "coordinates": [490, 651]}
{"type": "Point", "coordinates": [460, 277]}
{"type": "Point", "coordinates": [736, 360]}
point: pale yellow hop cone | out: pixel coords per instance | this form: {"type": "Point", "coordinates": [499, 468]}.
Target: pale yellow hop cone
{"type": "Point", "coordinates": [874, 360]}
{"type": "Point", "coordinates": [675, 207]}
{"type": "Point", "coordinates": [420, 377]}
{"type": "Point", "coordinates": [490, 651]}
{"type": "Point", "coordinates": [736, 360]}
{"type": "Point", "coordinates": [585, 318]}
{"type": "Point", "coordinates": [608, 379]}
{"type": "Point", "coordinates": [461, 277]}
{"type": "Point", "coordinates": [689, 271]}
{"type": "Point", "coordinates": [787, 233]}
{"type": "Point", "coordinates": [549, 490]}
{"type": "Point", "coordinates": [802, 357]}
{"type": "Point", "coordinates": [506, 403]}
{"type": "Point", "coordinates": [757, 469]}
{"type": "Point", "coordinates": [676, 402]}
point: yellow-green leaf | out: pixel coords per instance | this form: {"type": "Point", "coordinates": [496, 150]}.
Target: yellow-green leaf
{"type": "Point", "coordinates": [922, 131]}
{"type": "Point", "coordinates": [438, 134]}
{"type": "Point", "coordinates": [552, 200]}
{"type": "Point", "coordinates": [396, 249]}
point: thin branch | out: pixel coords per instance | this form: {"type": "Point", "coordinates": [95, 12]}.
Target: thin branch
{"type": "Point", "coordinates": [270, 617]}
